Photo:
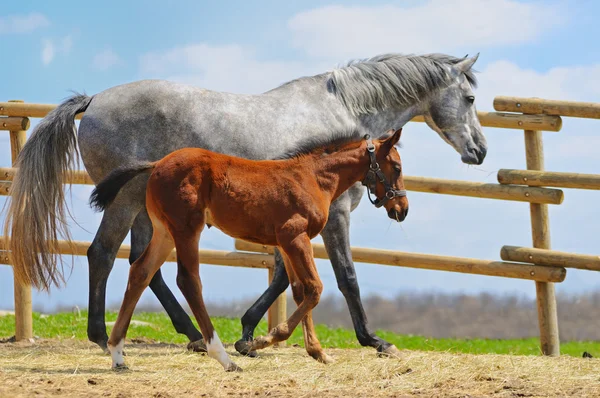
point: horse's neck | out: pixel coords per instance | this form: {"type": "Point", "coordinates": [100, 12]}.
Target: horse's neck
{"type": "Point", "coordinates": [337, 172]}
{"type": "Point", "coordinates": [382, 121]}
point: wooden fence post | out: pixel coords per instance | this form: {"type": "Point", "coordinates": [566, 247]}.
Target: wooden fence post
{"type": "Point", "coordinates": [278, 311]}
{"type": "Point", "coordinates": [23, 312]}
{"type": "Point", "coordinates": [540, 232]}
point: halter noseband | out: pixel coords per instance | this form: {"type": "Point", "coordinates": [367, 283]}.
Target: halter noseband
{"type": "Point", "coordinates": [374, 174]}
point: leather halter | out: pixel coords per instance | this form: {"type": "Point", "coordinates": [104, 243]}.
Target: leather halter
{"type": "Point", "coordinates": [375, 174]}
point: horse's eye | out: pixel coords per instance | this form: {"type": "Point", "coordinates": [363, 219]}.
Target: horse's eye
{"type": "Point", "coordinates": [398, 169]}
{"type": "Point", "coordinates": [471, 99]}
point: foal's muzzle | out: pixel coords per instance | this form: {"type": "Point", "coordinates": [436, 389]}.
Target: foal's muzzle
{"type": "Point", "coordinates": [398, 215]}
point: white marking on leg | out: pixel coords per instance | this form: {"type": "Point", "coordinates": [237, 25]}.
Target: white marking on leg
{"type": "Point", "coordinates": [217, 351]}
{"type": "Point", "coordinates": [117, 354]}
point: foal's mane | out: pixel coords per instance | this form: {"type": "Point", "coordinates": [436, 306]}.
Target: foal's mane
{"type": "Point", "coordinates": [330, 143]}
{"type": "Point", "coordinates": [388, 80]}
{"type": "Point", "coordinates": [311, 145]}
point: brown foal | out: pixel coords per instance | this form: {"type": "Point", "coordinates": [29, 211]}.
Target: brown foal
{"type": "Point", "coordinates": [283, 203]}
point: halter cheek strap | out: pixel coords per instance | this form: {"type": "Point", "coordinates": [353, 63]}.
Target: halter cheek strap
{"type": "Point", "coordinates": [374, 174]}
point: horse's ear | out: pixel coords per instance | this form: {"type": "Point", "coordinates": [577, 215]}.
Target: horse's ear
{"type": "Point", "coordinates": [467, 63]}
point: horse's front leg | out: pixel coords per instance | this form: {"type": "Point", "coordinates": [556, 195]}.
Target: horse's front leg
{"type": "Point", "coordinates": [336, 237]}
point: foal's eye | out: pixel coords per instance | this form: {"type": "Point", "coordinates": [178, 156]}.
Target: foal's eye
{"type": "Point", "coordinates": [398, 168]}
{"type": "Point", "coordinates": [470, 99]}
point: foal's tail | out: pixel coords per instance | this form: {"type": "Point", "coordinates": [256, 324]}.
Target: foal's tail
{"type": "Point", "coordinates": [106, 191]}
{"type": "Point", "coordinates": [36, 214]}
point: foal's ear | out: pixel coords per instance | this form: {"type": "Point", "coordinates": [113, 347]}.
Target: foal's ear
{"type": "Point", "coordinates": [393, 138]}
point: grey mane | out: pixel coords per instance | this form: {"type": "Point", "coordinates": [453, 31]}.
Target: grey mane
{"type": "Point", "coordinates": [391, 80]}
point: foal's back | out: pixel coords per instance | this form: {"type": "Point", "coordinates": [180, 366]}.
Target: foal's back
{"type": "Point", "coordinates": [245, 199]}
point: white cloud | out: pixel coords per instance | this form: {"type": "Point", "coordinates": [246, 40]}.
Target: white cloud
{"type": "Point", "coordinates": [225, 68]}
{"type": "Point", "coordinates": [47, 51]}
{"type": "Point", "coordinates": [23, 23]}
{"type": "Point", "coordinates": [436, 25]}
{"type": "Point", "coordinates": [51, 47]}
{"type": "Point", "coordinates": [106, 59]}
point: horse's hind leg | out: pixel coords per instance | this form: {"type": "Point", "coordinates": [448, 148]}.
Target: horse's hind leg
{"type": "Point", "coordinates": [141, 233]}
{"type": "Point", "coordinates": [140, 274]}
{"type": "Point", "coordinates": [116, 221]}
{"type": "Point", "coordinates": [255, 313]}
{"type": "Point", "coordinates": [311, 342]}
{"type": "Point", "coordinates": [188, 280]}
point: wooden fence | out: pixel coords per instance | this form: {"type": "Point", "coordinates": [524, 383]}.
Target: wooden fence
{"type": "Point", "coordinates": [538, 263]}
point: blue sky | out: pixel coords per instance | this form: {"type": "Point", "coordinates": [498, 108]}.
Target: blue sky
{"type": "Point", "coordinates": [544, 49]}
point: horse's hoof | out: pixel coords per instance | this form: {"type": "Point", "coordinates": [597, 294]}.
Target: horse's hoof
{"type": "Point", "coordinates": [244, 347]}
{"type": "Point", "coordinates": [120, 367]}
{"type": "Point", "coordinates": [197, 346]}
{"type": "Point", "coordinates": [390, 351]}
{"type": "Point", "coordinates": [233, 368]}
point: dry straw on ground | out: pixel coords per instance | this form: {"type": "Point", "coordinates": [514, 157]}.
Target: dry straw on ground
{"type": "Point", "coordinates": [75, 368]}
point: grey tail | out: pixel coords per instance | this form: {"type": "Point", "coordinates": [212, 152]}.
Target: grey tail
{"type": "Point", "coordinates": [107, 190]}
{"type": "Point", "coordinates": [36, 215]}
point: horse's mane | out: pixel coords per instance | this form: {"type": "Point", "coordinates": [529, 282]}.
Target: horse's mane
{"type": "Point", "coordinates": [370, 85]}
{"type": "Point", "coordinates": [387, 80]}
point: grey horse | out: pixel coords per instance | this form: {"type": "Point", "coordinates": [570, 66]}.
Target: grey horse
{"type": "Point", "coordinates": [146, 120]}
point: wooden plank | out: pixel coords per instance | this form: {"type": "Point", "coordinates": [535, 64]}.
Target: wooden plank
{"type": "Point", "coordinates": [550, 258]}
{"type": "Point", "coordinates": [540, 233]}
{"type": "Point", "coordinates": [214, 257]}
{"type": "Point", "coordinates": [556, 179]}
{"type": "Point", "coordinates": [484, 190]}
{"type": "Point", "coordinates": [433, 262]}
{"type": "Point", "coordinates": [589, 110]}
{"type": "Point", "coordinates": [14, 123]}
{"type": "Point", "coordinates": [487, 119]}
{"type": "Point", "coordinates": [74, 177]}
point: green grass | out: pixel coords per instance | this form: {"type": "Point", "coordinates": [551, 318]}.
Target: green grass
{"type": "Point", "coordinates": [69, 325]}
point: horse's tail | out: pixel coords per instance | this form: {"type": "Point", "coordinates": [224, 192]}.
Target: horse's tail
{"type": "Point", "coordinates": [36, 213]}
{"type": "Point", "coordinates": [106, 191]}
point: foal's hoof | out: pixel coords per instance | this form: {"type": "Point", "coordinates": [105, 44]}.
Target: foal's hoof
{"type": "Point", "coordinates": [390, 351]}
{"type": "Point", "coordinates": [324, 358]}
{"type": "Point", "coordinates": [120, 367]}
{"type": "Point", "coordinates": [197, 346]}
{"type": "Point", "coordinates": [244, 347]}
{"type": "Point", "coordinates": [233, 368]}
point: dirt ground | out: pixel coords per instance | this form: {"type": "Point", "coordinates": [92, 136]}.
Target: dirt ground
{"type": "Point", "coordinates": [75, 368]}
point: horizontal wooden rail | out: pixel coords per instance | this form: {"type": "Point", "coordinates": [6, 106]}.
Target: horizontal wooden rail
{"type": "Point", "coordinates": [556, 179]}
{"type": "Point", "coordinates": [14, 123]}
{"type": "Point", "coordinates": [416, 184]}
{"type": "Point", "coordinates": [548, 107]}
{"type": "Point", "coordinates": [484, 190]}
{"type": "Point", "coordinates": [75, 177]}
{"type": "Point", "coordinates": [550, 258]}
{"type": "Point", "coordinates": [214, 257]}
{"type": "Point", "coordinates": [433, 262]}
{"type": "Point", "coordinates": [487, 119]}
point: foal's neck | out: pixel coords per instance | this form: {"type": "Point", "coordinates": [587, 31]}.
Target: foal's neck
{"type": "Point", "coordinates": [338, 171]}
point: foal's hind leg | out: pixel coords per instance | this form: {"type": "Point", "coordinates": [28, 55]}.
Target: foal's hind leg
{"type": "Point", "coordinates": [141, 233]}
{"type": "Point", "coordinates": [140, 274]}
{"type": "Point", "coordinates": [188, 280]}
{"type": "Point", "coordinates": [311, 342]}
{"type": "Point", "coordinates": [299, 251]}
